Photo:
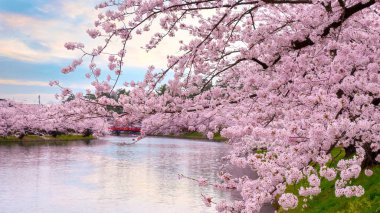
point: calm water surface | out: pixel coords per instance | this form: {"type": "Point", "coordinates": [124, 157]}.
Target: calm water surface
{"type": "Point", "coordinates": [103, 176]}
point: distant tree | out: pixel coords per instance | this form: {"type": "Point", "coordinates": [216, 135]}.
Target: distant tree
{"type": "Point", "coordinates": [90, 96]}
{"type": "Point", "coordinates": [161, 90]}
{"type": "Point", "coordinates": [121, 92]}
{"type": "Point", "coordinates": [69, 98]}
{"type": "Point", "coordinates": [69, 117]}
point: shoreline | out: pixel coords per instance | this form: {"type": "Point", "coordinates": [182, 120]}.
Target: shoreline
{"type": "Point", "coordinates": [195, 136]}
{"type": "Point", "coordinates": [41, 139]}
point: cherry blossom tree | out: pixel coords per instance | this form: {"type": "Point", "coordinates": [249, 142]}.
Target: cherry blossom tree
{"type": "Point", "coordinates": [286, 81]}
{"type": "Point", "coordinates": [73, 117]}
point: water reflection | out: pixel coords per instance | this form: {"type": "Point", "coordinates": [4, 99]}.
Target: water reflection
{"type": "Point", "coordinates": [102, 176]}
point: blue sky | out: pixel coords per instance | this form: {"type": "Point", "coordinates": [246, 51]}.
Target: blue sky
{"type": "Point", "coordinates": [32, 35]}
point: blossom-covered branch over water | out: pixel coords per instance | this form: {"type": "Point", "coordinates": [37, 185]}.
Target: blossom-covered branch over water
{"type": "Point", "coordinates": [74, 117]}
{"type": "Point", "coordinates": [285, 81]}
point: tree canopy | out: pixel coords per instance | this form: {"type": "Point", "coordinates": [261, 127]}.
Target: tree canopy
{"type": "Point", "coordinates": [291, 78]}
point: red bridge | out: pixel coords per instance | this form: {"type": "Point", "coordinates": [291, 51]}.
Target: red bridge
{"type": "Point", "coordinates": [129, 129]}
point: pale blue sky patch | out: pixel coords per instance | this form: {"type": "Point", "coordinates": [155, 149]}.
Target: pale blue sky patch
{"type": "Point", "coordinates": [27, 7]}
{"type": "Point", "coordinates": [32, 38]}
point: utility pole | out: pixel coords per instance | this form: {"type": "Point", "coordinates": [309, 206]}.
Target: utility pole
{"type": "Point", "coordinates": [39, 100]}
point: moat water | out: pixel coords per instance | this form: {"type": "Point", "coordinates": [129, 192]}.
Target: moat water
{"type": "Point", "coordinates": [104, 176]}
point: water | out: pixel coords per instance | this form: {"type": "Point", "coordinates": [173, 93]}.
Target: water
{"type": "Point", "coordinates": [103, 176]}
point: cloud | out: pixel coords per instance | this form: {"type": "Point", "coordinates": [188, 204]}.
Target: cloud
{"type": "Point", "coordinates": [31, 98]}
{"type": "Point", "coordinates": [40, 40]}
{"type": "Point", "coordinates": [78, 9]}
{"type": "Point", "coordinates": [32, 39]}
{"type": "Point", "coordinates": [17, 82]}
{"type": "Point", "coordinates": [34, 43]}
{"type": "Point", "coordinates": [23, 82]}
{"type": "Point", "coordinates": [16, 49]}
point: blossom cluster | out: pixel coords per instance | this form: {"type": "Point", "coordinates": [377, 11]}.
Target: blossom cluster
{"type": "Point", "coordinates": [288, 201]}
{"type": "Point", "coordinates": [21, 119]}
{"type": "Point", "coordinates": [285, 82]}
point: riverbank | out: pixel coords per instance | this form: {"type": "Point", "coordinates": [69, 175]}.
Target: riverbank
{"type": "Point", "coordinates": [37, 138]}
{"type": "Point", "coordinates": [195, 136]}
{"type": "Point", "coordinates": [326, 201]}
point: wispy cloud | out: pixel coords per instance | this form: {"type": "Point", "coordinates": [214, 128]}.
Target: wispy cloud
{"type": "Point", "coordinates": [16, 82]}
{"type": "Point", "coordinates": [32, 37]}
{"type": "Point", "coordinates": [32, 98]}
{"type": "Point", "coordinates": [37, 39]}
{"type": "Point", "coordinates": [23, 83]}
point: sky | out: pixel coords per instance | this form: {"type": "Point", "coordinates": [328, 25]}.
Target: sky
{"type": "Point", "coordinates": [32, 38]}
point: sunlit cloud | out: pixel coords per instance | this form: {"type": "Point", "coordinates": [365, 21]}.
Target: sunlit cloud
{"type": "Point", "coordinates": [23, 83]}
{"type": "Point", "coordinates": [15, 82]}
{"type": "Point", "coordinates": [32, 37]}
{"type": "Point", "coordinates": [16, 49]}
{"type": "Point", "coordinates": [31, 98]}
{"type": "Point", "coordinates": [38, 40]}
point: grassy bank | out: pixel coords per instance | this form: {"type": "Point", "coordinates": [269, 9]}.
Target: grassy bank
{"type": "Point", "coordinates": [196, 136]}
{"type": "Point", "coordinates": [36, 138]}
{"type": "Point", "coordinates": [326, 201]}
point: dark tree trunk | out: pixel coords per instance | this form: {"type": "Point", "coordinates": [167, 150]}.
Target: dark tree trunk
{"type": "Point", "coordinates": [369, 159]}
{"type": "Point", "coordinates": [87, 132]}
{"type": "Point", "coordinates": [350, 150]}
{"type": "Point", "coordinates": [54, 133]}
{"type": "Point", "coordinates": [21, 136]}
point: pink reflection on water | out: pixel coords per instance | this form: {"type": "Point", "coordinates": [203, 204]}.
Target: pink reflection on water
{"type": "Point", "coordinates": [103, 177]}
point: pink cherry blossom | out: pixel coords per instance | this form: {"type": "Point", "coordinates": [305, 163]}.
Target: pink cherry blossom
{"type": "Point", "coordinates": [288, 201]}
{"type": "Point", "coordinates": [202, 181]}
{"type": "Point", "coordinates": [285, 82]}
{"type": "Point", "coordinates": [93, 33]}
{"type": "Point", "coordinates": [207, 200]}
{"type": "Point", "coordinates": [73, 45]}
{"type": "Point", "coordinates": [368, 172]}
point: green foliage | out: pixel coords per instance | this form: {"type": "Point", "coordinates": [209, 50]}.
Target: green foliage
{"type": "Point", "coordinates": [326, 201]}
{"type": "Point", "coordinates": [8, 138]}
{"type": "Point", "coordinates": [357, 206]}
{"type": "Point", "coordinates": [73, 137]}
{"type": "Point", "coordinates": [69, 98]}
{"type": "Point", "coordinates": [161, 90]}
{"type": "Point", "coordinates": [261, 151]}
{"type": "Point", "coordinates": [36, 138]}
{"type": "Point", "coordinates": [193, 135]}
{"type": "Point", "coordinates": [198, 136]}
{"type": "Point", "coordinates": [90, 96]}
{"type": "Point", "coordinates": [122, 92]}
{"type": "Point", "coordinates": [218, 137]}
